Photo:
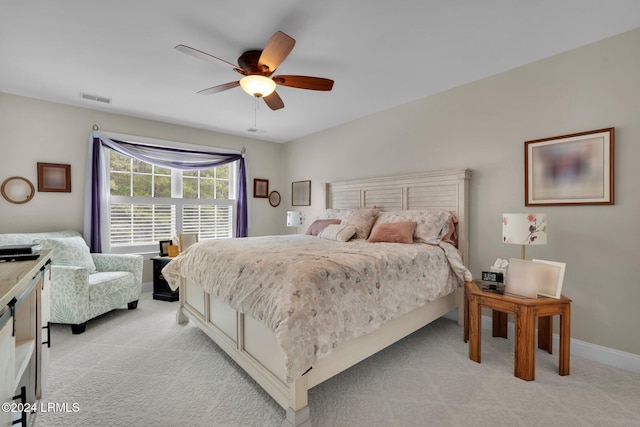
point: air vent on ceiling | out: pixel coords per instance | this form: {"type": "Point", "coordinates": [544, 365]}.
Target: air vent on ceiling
{"type": "Point", "coordinates": [95, 98]}
{"type": "Point", "coordinates": [254, 130]}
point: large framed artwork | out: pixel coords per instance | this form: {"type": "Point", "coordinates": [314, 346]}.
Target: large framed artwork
{"type": "Point", "coordinates": [574, 169]}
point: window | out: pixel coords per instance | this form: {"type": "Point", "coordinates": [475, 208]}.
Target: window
{"type": "Point", "coordinates": [149, 203]}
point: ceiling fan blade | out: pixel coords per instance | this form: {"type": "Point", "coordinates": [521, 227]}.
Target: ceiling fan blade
{"type": "Point", "coordinates": [304, 82]}
{"type": "Point", "coordinates": [210, 58]}
{"type": "Point", "coordinates": [277, 49]}
{"type": "Point", "coordinates": [274, 101]}
{"type": "Point", "coordinates": [219, 88]}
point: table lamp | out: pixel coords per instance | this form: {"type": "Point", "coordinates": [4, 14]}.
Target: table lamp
{"type": "Point", "coordinates": [524, 229]}
{"type": "Point", "coordinates": [295, 219]}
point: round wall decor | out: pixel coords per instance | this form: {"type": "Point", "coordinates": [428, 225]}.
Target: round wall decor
{"type": "Point", "coordinates": [274, 198]}
{"type": "Point", "coordinates": [18, 190]}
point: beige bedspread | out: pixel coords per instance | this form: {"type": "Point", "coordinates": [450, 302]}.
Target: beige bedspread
{"type": "Point", "coordinates": [315, 294]}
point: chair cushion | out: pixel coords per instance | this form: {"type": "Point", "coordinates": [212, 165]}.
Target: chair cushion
{"type": "Point", "coordinates": [72, 251]}
{"type": "Point", "coordinates": [109, 282]}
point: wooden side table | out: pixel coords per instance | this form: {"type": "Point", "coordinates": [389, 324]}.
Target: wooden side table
{"type": "Point", "coordinates": [525, 310]}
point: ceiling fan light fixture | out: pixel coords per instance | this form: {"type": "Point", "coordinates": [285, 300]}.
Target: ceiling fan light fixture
{"type": "Point", "coordinates": [258, 86]}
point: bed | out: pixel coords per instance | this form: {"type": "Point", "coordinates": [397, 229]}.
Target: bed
{"type": "Point", "coordinates": [293, 312]}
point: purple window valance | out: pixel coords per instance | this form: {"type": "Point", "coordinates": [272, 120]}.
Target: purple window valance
{"type": "Point", "coordinates": [168, 157]}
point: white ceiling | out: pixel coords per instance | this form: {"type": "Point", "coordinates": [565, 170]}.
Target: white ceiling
{"type": "Point", "coordinates": [380, 54]}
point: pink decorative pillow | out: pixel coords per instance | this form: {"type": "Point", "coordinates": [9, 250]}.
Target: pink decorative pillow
{"type": "Point", "coordinates": [319, 225]}
{"type": "Point", "coordinates": [451, 236]}
{"type": "Point", "coordinates": [393, 232]}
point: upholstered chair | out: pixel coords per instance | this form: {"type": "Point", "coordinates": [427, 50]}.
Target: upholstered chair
{"type": "Point", "coordinates": [84, 285]}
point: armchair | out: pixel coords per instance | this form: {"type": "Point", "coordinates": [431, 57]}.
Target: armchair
{"type": "Point", "coordinates": [84, 285]}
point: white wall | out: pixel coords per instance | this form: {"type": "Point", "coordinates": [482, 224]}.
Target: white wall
{"type": "Point", "coordinates": [483, 126]}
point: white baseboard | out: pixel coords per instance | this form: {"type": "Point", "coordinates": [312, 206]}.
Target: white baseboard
{"type": "Point", "coordinates": [586, 350]}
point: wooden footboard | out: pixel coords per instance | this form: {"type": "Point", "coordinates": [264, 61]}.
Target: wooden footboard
{"type": "Point", "coordinates": [254, 347]}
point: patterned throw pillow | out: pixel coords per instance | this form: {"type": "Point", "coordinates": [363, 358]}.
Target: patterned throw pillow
{"type": "Point", "coordinates": [432, 225]}
{"type": "Point", "coordinates": [72, 251]}
{"type": "Point", "coordinates": [361, 218]}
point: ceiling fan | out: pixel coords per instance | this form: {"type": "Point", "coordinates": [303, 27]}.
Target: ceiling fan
{"type": "Point", "coordinates": [257, 66]}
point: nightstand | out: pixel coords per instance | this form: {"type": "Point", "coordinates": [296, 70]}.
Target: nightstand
{"type": "Point", "coordinates": [161, 289]}
{"type": "Point", "coordinates": [525, 310]}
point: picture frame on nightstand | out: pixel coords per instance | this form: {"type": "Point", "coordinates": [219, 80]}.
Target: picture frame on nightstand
{"type": "Point", "coordinates": [552, 277]}
{"type": "Point", "coordinates": [164, 247]}
{"type": "Point", "coordinates": [534, 278]}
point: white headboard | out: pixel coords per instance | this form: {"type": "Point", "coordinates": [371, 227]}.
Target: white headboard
{"type": "Point", "coordinates": [445, 190]}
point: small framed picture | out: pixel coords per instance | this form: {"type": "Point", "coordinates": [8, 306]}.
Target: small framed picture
{"type": "Point", "coordinates": [54, 177]}
{"type": "Point", "coordinates": [301, 193]}
{"type": "Point", "coordinates": [261, 188]}
{"type": "Point", "coordinates": [164, 247]}
{"type": "Point", "coordinates": [572, 169]}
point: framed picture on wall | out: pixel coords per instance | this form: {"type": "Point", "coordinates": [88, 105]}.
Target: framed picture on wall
{"type": "Point", "coordinates": [572, 169]}
{"type": "Point", "coordinates": [261, 188]}
{"type": "Point", "coordinates": [274, 199]}
{"type": "Point", "coordinates": [301, 193]}
{"type": "Point", "coordinates": [54, 177]}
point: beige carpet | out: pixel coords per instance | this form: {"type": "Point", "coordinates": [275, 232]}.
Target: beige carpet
{"type": "Point", "coordinates": [139, 368]}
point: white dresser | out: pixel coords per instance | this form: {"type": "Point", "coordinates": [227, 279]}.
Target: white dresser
{"type": "Point", "coordinates": [24, 336]}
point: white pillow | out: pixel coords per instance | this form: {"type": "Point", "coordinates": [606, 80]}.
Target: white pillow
{"type": "Point", "coordinates": [338, 232]}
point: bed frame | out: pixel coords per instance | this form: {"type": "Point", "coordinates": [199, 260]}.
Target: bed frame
{"type": "Point", "coordinates": [254, 347]}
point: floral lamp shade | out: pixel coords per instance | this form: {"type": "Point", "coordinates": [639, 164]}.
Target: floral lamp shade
{"type": "Point", "coordinates": [295, 218]}
{"type": "Point", "coordinates": [524, 229]}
